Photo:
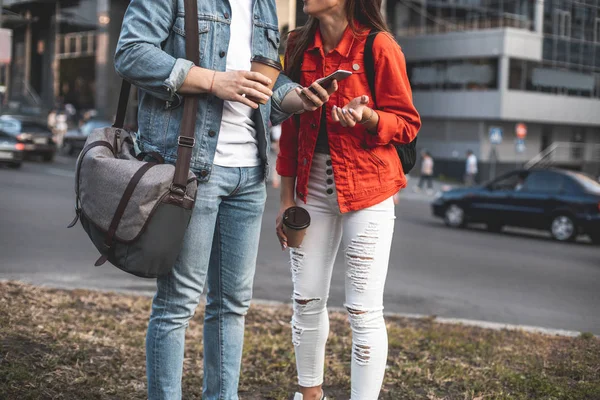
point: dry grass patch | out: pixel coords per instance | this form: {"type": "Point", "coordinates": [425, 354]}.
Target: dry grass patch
{"type": "Point", "coordinates": [57, 344]}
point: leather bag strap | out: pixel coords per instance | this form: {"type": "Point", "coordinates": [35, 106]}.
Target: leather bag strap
{"type": "Point", "coordinates": [122, 107]}
{"type": "Point", "coordinates": [187, 134]}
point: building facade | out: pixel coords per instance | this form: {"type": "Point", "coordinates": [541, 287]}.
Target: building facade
{"type": "Point", "coordinates": [63, 52]}
{"type": "Point", "coordinates": [481, 68]}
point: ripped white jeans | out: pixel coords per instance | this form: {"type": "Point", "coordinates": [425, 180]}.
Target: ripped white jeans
{"type": "Point", "coordinates": [366, 237]}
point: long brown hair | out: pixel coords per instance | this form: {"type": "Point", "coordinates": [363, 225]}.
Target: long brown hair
{"type": "Point", "coordinates": [366, 12]}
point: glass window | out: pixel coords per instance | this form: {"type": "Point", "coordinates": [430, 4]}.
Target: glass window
{"type": "Point", "coordinates": [517, 74]}
{"type": "Point", "coordinates": [544, 182]}
{"type": "Point", "coordinates": [588, 183]}
{"type": "Point", "coordinates": [510, 182]}
{"type": "Point", "coordinates": [9, 125]}
{"type": "Point", "coordinates": [476, 74]}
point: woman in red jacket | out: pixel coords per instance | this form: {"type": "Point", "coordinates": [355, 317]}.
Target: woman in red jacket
{"type": "Point", "coordinates": [339, 162]}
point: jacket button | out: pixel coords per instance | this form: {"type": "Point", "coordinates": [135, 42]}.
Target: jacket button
{"type": "Point", "coordinates": [330, 181]}
{"type": "Point", "coordinates": [203, 173]}
{"type": "Point", "coordinates": [301, 194]}
{"type": "Point", "coordinates": [329, 172]}
{"type": "Point", "coordinates": [212, 133]}
{"type": "Point", "coordinates": [222, 54]}
{"type": "Point", "coordinates": [329, 191]}
{"type": "Point", "coordinates": [328, 162]}
{"type": "Point", "coordinates": [226, 15]}
{"type": "Point", "coordinates": [313, 125]}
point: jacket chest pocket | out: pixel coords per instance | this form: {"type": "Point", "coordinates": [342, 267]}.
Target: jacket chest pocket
{"type": "Point", "coordinates": [356, 85]}
{"type": "Point", "coordinates": [308, 71]}
{"type": "Point", "coordinates": [175, 45]}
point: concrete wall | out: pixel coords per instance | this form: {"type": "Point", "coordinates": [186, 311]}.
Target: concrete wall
{"type": "Point", "coordinates": [511, 105]}
{"type": "Point", "coordinates": [459, 104]}
{"type": "Point", "coordinates": [550, 108]}
{"type": "Point", "coordinates": [514, 43]}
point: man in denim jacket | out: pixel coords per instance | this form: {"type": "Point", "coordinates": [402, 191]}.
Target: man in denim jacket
{"type": "Point", "coordinates": [229, 158]}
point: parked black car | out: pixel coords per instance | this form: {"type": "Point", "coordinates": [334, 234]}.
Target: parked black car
{"type": "Point", "coordinates": [32, 133]}
{"type": "Point", "coordinates": [74, 140]}
{"type": "Point", "coordinates": [11, 151]}
{"type": "Point", "coordinates": [563, 202]}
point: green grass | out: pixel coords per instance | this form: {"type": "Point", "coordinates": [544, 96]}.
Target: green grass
{"type": "Point", "coordinates": [88, 345]}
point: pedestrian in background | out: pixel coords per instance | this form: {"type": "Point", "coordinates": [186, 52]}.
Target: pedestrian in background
{"type": "Point", "coordinates": [471, 169]}
{"type": "Point", "coordinates": [231, 144]}
{"type": "Point", "coordinates": [275, 136]}
{"type": "Point", "coordinates": [340, 163]}
{"type": "Point", "coordinates": [427, 165]}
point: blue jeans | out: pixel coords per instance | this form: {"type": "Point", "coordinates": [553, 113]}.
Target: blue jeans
{"type": "Point", "coordinates": [220, 249]}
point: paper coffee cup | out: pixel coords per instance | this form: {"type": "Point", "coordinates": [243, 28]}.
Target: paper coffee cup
{"type": "Point", "coordinates": [269, 68]}
{"type": "Point", "coordinates": [295, 222]}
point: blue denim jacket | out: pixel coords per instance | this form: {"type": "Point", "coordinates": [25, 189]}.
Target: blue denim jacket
{"type": "Point", "coordinates": [151, 55]}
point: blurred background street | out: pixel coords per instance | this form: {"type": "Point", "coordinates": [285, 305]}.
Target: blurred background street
{"type": "Point", "coordinates": [503, 87]}
{"type": "Point", "coordinates": [519, 277]}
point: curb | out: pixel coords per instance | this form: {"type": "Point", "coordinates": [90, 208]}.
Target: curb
{"type": "Point", "coordinates": [498, 326]}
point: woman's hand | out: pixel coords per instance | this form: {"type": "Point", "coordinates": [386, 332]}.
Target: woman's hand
{"type": "Point", "coordinates": [353, 113]}
{"type": "Point", "coordinates": [279, 224]}
{"type": "Point", "coordinates": [314, 96]}
{"type": "Point", "coordinates": [239, 85]}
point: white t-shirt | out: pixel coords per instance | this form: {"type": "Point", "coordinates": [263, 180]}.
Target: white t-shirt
{"type": "Point", "coordinates": [472, 165]}
{"type": "Point", "coordinates": [238, 145]}
{"type": "Point", "coordinates": [427, 167]}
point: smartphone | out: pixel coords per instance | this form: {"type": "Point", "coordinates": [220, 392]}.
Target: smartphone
{"type": "Point", "coordinates": [338, 75]}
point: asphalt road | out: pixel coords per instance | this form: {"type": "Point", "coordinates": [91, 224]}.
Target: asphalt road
{"type": "Point", "coordinates": [511, 278]}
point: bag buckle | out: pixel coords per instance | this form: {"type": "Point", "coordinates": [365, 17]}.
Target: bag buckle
{"type": "Point", "coordinates": [177, 189]}
{"type": "Point", "coordinates": [186, 141]}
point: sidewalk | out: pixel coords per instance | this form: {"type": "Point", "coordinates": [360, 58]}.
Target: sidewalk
{"type": "Point", "coordinates": [411, 191]}
{"type": "Point", "coordinates": [83, 344]}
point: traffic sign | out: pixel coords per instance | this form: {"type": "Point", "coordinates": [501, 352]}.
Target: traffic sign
{"type": "Point", "coordinates": [520, 146]}
{"type": "Point", "coordinates": [521, 131]}
{"type": "Point", "coordinates": [495, 135]}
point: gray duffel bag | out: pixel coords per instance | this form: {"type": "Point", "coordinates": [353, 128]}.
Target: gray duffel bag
{"type": "Point", "coordinates": [136, 208]}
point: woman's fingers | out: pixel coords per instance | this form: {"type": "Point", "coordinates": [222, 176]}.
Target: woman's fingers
{"type": "Point", "coordinates": [340, 116]}
{"type": "Point", "coordinates": [281, 236]}
{"type": "Point", "coordinates": [354, 117]}
{"type": "Point", "coordinates": [333, 88]}
{"type": "Point", "coordinates": [317, 89]}
{"type": "Point", "coordinates": [334, 114]}
{"type": "Point", "coordinates": [309, 96]}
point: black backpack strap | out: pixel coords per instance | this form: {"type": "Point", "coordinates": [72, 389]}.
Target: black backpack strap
{"type": "Point", "coordinates": [370, 62]}
{"type": "Point", "coordinates": [122, 107]}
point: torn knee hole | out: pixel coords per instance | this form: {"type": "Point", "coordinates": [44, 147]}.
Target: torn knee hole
{"type": "Point", "coordinates": [305, 301]}
{"type": "Point", "coordinates": [355, 312]}
{"type": "Point", "coordinates": [355, 257]}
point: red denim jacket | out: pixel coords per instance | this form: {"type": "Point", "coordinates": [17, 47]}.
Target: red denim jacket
{"type": "Point", "coordinates": [366, 166]}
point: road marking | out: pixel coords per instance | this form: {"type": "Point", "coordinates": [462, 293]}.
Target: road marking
{"type": "Point", "coordinates": [60, 172]}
